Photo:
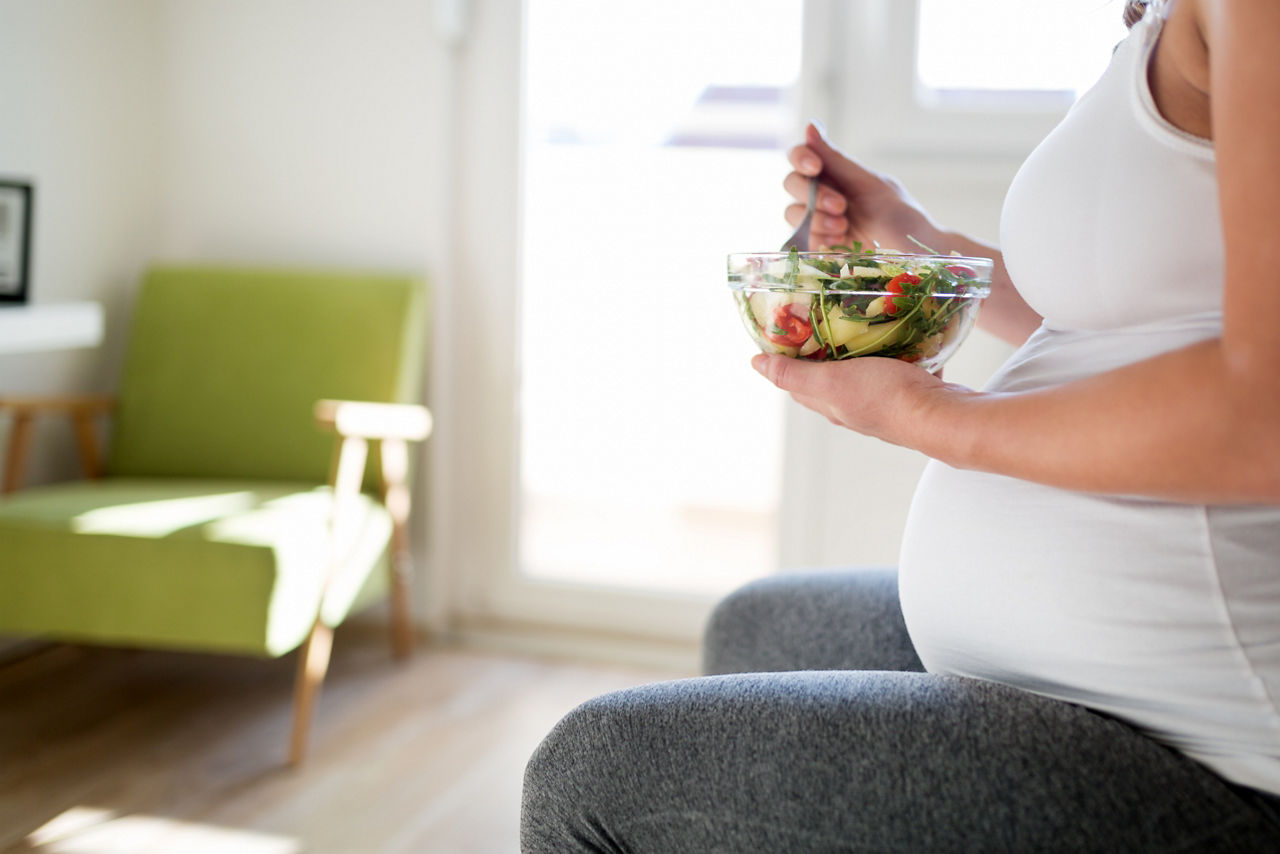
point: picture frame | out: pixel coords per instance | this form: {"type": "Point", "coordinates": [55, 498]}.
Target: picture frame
{"type": "Point", "coordinates": [16, 202]}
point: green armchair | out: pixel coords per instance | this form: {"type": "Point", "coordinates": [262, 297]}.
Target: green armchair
{"type": "Point", "coordinates": [232, 512]}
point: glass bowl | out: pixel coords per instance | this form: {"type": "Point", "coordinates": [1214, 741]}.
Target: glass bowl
{"type": "Point", "coordinates": [827, 306]}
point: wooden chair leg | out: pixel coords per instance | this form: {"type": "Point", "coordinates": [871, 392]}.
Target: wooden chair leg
{"type": "Point", "coordinates": [313, 659]}
{"type": "Point", "coordinates": [16, 457]}
{"type": "Point", "coordinates": [87, 443]}
{"type": "Point", "coordinates": [401, 610]}
{"type": "Point", "coordinates": [394, 469]}
{"type": "Point", "coordinates": [313, 663]}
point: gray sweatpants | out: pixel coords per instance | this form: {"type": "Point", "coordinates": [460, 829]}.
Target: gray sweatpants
{"type": "Point", "coordinates": [823, 733]}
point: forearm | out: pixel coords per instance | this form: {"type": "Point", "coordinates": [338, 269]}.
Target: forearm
{"type": "Point", "coordinates": [1005, 314]}
{"type": "Point", "coordinates": [1185, 426]}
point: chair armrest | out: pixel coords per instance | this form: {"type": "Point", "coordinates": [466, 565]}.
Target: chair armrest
{"type": "Point", "coordinates": [70, 404]}
{"type": "Point", "coordinates": [392, 426]}
{"type": "Point", "coordinates": [360, 419]}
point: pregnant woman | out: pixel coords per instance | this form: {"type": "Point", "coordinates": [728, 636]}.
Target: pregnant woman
{"type": "Point", "coordinates": [1086, 653]}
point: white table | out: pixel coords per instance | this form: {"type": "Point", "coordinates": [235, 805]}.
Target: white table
{"type": "Point", "coordinates": [51, 326]}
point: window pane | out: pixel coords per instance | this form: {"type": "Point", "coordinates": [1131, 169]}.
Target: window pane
{"type": "Point", "coordinates": [1015, 45]}
{"type": "Point", "coordinates": [650, 452]}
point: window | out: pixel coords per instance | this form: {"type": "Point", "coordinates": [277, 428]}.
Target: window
{"type": "Point", "coordinates": [988, 52]}
{"type": "Point", "coordinates": [948, 78]}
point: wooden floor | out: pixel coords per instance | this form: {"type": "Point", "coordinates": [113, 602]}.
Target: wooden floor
{"type": "Point", "coordinates": [109, 751]}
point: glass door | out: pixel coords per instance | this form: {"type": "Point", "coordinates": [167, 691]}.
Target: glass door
{"type": "Point", "coordinates": [653, 144]}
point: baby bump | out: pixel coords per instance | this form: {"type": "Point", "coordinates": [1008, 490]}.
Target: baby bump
{"type": "Point", "coordinates": [1014, 581]}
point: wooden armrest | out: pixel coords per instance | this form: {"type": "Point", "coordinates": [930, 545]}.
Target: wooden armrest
{"type": "Point", "coordinates": [360, 419]}
{"type": "Point", "coordinates": [392, 426]}
{"type": "Point", "coordinates": [74, 404]}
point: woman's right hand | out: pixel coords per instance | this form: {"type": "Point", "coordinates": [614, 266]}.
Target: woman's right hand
{"type": "Point", "coordinates": [854, 203]}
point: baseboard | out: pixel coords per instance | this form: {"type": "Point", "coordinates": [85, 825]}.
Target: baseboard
{"type": "Point", "coordinates": [565, 644]}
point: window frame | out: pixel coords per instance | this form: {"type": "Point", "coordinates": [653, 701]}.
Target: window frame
{"type": "Point", "coordinates": [884, 35]}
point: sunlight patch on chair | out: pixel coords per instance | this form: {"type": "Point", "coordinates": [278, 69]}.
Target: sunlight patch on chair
{"type": "Point", "coordinates": [161, 518]}
{"type": "Point", "coordinates": [81, 830]}
{"type": "Point", "coordinates": [308, 511]}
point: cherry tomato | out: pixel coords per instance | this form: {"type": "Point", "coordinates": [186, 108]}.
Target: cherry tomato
{"type": "Point", "coordinates": [895, 287]}
{"type": "Point", "coordinates": [787, 328]}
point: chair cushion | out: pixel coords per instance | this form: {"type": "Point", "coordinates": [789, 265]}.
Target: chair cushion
{"type": "Point", "coordinates": [224, 366]}
{"type": "Point", "coordinates": [226, 565]}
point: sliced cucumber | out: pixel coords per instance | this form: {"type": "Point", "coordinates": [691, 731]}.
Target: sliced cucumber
{"type": "Point", "coordinates": [840, 330]}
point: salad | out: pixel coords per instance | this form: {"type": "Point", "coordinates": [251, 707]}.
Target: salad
{"type": "Point", "coordinates": [848, 303]}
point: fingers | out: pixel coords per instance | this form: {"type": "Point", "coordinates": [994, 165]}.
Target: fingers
{"type": "Point", "coordinates": [795, 213]}
{"type": "Point", "coordinates": [830, 226]}
{"type": "Point", "coordinates": [813, 154]}
{"type": "Point", "coordinates": [836, 166]}
{"type": "Point", "coordinates": [800, 380]}
{"type": "Point", "coordinates": [797, 186]}
{"type": "Point", "coordinates": [816, 138]}
{"type": "Point", "coordinates": [841, 181]}
{"type": "Point", "coordinates": [804, 160]}
{"type": "Point", "coordinates": [816, 144]}
{"type": "Point", "coordinates": [830, 200]}
{"type": "Point", "coordinates": [826, 231]}
{"type": "Point", "coordinates": [768, 366]}
{"type": "Point", "coordinates": [787, 374]}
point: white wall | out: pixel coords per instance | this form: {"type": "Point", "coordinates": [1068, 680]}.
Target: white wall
{"type": "Point", "coordinates": [305, 131]}
{"type": "Point", "coordinates": [274, 131]}
{"type": "Point", "coordinates": [79, 117]}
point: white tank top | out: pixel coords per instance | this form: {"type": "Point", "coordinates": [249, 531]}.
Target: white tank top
{"type": "Point", "coordinates": [1165, 615]}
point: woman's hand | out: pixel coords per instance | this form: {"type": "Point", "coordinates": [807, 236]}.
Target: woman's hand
{"type": "Point", "coordinates": [854, 203]}
{"type": "Point", "coordinates": [883, 398]}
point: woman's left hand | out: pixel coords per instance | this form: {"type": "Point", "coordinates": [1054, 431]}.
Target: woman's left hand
{"type": "Point", "coordinates": [884, 398]}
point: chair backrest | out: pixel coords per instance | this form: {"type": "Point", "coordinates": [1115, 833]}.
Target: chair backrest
{"type": "Point", "coordinates": [224, 366]}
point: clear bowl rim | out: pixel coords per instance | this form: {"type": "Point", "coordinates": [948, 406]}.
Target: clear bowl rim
{"type": "Point", "coordinates": [870, 256]}
{"type": "Point", "coordinates": [979, 287]}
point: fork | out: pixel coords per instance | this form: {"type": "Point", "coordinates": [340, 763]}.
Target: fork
{"type": "Point", "coordinates": [800, 239]}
